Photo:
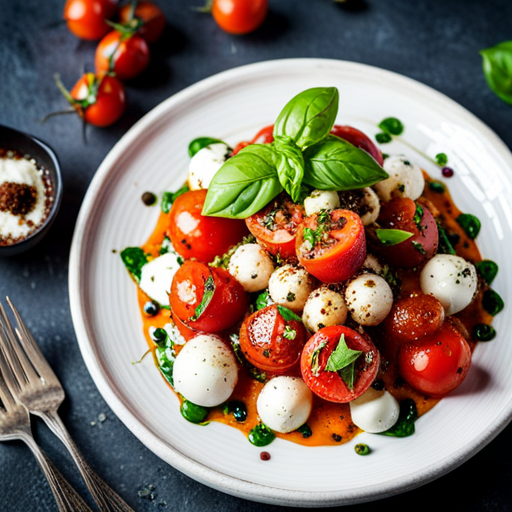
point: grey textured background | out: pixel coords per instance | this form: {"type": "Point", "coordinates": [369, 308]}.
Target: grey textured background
{"type": "Point", "coordinates": [435, 42]}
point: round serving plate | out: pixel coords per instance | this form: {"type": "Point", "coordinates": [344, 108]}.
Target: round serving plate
{"type": "Point", "coordinates": [152, 156]}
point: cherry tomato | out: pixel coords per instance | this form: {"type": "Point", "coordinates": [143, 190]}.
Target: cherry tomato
{"type": "Point", "coordinates": [270, 342]}
{"type": "Point", "coordinates": [239, 16]}
{"type": "Point", "coordinates": [146, 17]}
{"type": "Point", "coordinates": [275, 226]}
{"type": "Point", "coordinates": [224, 307]}
{"type": "Point", "coordinates": [406, 215]}
{"type": "Point", "coordinates": [329, 385]}
{"type": "Point", "coordinates": [437, 364]}
{"type": "Point", "coordinates": [331, 245]}
{"type": "Point", "coordinates": [86, 18]}
{"type": "Point", "coordinates": [264, 136]}
{"type": "Point", "coordinates": [197, 236]}
{"type": "Point", "coordinates": [125, 55]}
{"type": "Point", "coordinates": [100, 101]}
{"type": "Point", "coordinates": [359, 139]}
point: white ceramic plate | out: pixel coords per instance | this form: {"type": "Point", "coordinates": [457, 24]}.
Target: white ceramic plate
{"type": "Point", "coordinates": [152, 156]}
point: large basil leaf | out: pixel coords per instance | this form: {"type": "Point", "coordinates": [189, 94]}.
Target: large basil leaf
{"type": "Point", "coordinates": [335, 164]}
{"type": "Point", "coordinates": [497, 64]}
{"type": "Point", "coordinates": [245, 184]}
{"type": "Point", "coordinates": [308, 117]}
{"type": "Point", "coordinates": [290, 166]}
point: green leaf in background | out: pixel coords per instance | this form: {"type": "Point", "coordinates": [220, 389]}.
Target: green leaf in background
{"type": "Point", "coordinates": [290, 166]}
{"type": "Point", "coordinates": [200, 143]}
{"type": "Point", "coordinates": [392, 236]}
{"type": "Point", "coordinates": [392, 126]}
{"type": "Point", "coordinates": [497, 65]}
{"type": "Point", "coordinates": [308, 117]}
{"type": "Point", "coordinates": [245, 184]}
{"type": "Point", "coordinates": [134, 258]}
{"type": "Point", "coordinates": [335, 164]}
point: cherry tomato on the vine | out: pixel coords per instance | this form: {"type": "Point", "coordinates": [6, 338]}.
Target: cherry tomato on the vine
{"type": "Point", "coordinates": [207, 298]}
{"type": "Point", "coordinates": [146, 17]}
{"type": "Point", "coordinates": [86, 18]}
{"type": "Point", "coordinates": [329, 385]}
{"type": "Point", "coordinates": [436, 364]}
{"type": "Point", "coordinates": [194, 235]}
{"type": "Point", "coordinates": [270, 342]}
{"type": "Point", "coordinates": [124, 54]}
{"type": "Point", "coordinates": [358, 138]}
{"type": "Point", "coordinates": [239, 16]}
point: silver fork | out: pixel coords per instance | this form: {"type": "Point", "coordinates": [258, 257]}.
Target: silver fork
{"type": "Point", "coordinates": [15, 424]}
{"type": "Point", "coordinates": [40, 391]}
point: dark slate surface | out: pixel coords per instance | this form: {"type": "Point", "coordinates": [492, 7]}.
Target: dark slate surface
{"type": "Point", "coordinates": [434, 42]}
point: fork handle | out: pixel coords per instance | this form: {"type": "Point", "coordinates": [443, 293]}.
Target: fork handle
{"type": "Point", "coordinates": [104, 496]}
{"type": "Point", "coordinates": [68, 500]}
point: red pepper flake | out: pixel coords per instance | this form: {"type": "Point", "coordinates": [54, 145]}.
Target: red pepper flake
{"type": "Point", "coordinates": [265, 456]}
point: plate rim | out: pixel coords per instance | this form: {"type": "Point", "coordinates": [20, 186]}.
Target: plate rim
{"type": "Point", "coordinates": [107, 387]}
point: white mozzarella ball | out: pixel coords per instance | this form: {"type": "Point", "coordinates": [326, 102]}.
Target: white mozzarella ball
{"type": "Point", "coordinates": [156, 277]}
{"type": "Point", "coordinates": [373, 204]}
{"type": "Point", "coordinates": [320, 200]}
{"type": "Point", "coordinates": [405, 179]}
{"type": "Point", "coordinates": [369, 299]}
{"type": "Point", "coordinates": [372, 263]}
{"type": "Point", "coordinates": [251, 266]}
{"type": "Point", "coordinates": [375, 411]}
{"type": "Point", "coordinates": [290, 286]}
{"type": "Point", "coordinates": [205, 371]}
{"type": "Point", "coordinates": [324, 308]}
{"type": "Point", "coordinates": [205, 163]}
{"type": "Point", "coordinates": [284, 404]}
{"type": "Point", "coordinates": [450, 279]}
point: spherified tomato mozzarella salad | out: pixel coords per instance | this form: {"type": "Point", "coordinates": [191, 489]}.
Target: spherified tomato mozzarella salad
{"type": "Point", "coordinates": [304, 284]}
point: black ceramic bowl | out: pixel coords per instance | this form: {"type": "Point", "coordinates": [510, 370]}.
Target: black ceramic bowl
{"type": "Point", "coordinates": [23, 144]}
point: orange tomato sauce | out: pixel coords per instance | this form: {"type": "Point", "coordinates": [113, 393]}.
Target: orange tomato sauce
{"type": "Point", "coordinates": [331, 423]}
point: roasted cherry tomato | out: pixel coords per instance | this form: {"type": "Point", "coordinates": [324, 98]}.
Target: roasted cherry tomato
{"type": "Point", "coordinates": [124, 55]}
{"type": "Point", "coordinates": [329, 385]}
{"type": "Point", "coordinates": [275, 226]}
{"type": "Point", "coordinates": [86, 18]}
{"type": "Point", "coordinates": [100, 101]}
{"type": "Point", "coordinates": [437, 364]}
{"type": "Point", "coordinates": [270, 342]}
{"type": "Point", "coordinates": [207, 298]}
{"type": "Point", "coordinates": [331, 245]}
{"type": "Point", "coordinates": [358, 138]}
{"type": "Point", "coordinates": [239, 16]}
{"type": "Point", "coordinates": [406, 215]}
{"type": "Point", "coordinates": [197, 236]}
{"type": "Point", "coordinates": [146, 17]}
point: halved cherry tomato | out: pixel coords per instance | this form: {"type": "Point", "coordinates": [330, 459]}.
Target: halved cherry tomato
{"type": "Point", "coordinates": [275, 226]}
{"type": "Point", "coordinates": [86, 18]}
{"type": "Point", "coordinates": [329, 385]}
{"type": "Point", "coordinates": [358, 138]}
{"type": "Point", "coordinates": [100, 101]}
{"type": "Point", "coordinates": [437, 364]}
{"type": "Point", "coordinates": [270, 342]}
{"type": "Point", "coordinates": [146, 17]}
{"type": "Point", "coordinates": [331, 245]}
{"type": "Point", "coordinates": [194, 235]}
{"type": "Point", "coordinates": [239, 16]}
{"type": "Point", "coordinates": [225, 303]}
{"type": "Point", "coordinates": [406, 215]}
{"type": "Point", "coordinates": [125, 55]}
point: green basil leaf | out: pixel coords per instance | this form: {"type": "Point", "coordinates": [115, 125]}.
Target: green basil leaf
{"type": "Point", "coordinates": [200, 143]}
{"type": "Point", "coordinates": [244, 184]}
{"type": "Point", "coordinates": [308, 117]}
{"type": "Point", "coordinates": [209, 290]}
{"type": "Point", "coordinates": [290, 166]}
{"type": "Point", "coordinates": [288, 314]}
{"type": "Point", "coordinates": [341, 357]}
{"type": "Point", "coordinates": [134, 259]}
{"type": "Point", "coordinates": [169, 197]}
{"type": "Point", "coordinates": [335, 164]}
{"type": "Point", "coordinates": [392, 236]}
{"type": "Point", "coordinates": [391, 126]}
{"type": "Point", "coordinates": [497, 64]}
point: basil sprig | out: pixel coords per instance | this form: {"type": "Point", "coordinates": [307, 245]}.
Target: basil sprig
{"type": "Point", "coordinates": [302, 154]}
{"type": "Point", "coordinates": [497, 65]}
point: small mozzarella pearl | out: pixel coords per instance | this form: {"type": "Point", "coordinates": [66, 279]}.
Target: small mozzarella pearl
{"type": "Point", "coordinates": [405, 179]}
{"type": "Point", "coordinates": [290, 286]}
{"type": "Point", "coordinates": [320, 200]}
{"type": "Point", "coordinates": [251, 266]}
{"type": "Point", "coordinates": [375, 411]}
{"type": "Point", "coordinates": [324, 308]}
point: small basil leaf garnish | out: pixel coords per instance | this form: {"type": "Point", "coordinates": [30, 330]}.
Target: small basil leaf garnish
{"type": "Point", "coordinates": [390, 237]}
{"type": "Point", "coordinates": [392, 126]}
{"type": "Point", "coordinates": [470, 224]}
{"type": "Point", "coordinates": [244, 184]}
{"type": "Point", "coordinates": [308, 117]}
{"type": "Point", "coordinates": [134, 259]}
{"type": "Point", "coordinates": [168, 198]}
{"type": "Point", "coordinates": [445, 245]}
{"type": "Point", "coordinates": [342, 356]}
{"type": "Point", "coordinates": [488, 269]}
{"type": "Point", "coordinates": [497, 65]}
{"type": "Point", "coordinates": [165, 355]}
{"type": "Point", "coordinates": [335, 164]}
{"type": "Point", "coordinates": [209, 290]}
{"type": "Point", "coordinates": [290, 166]}
{"type": "Point", "coordinates": [288, 314]}
{"type": "Point", "coordinates": [200, 143]}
